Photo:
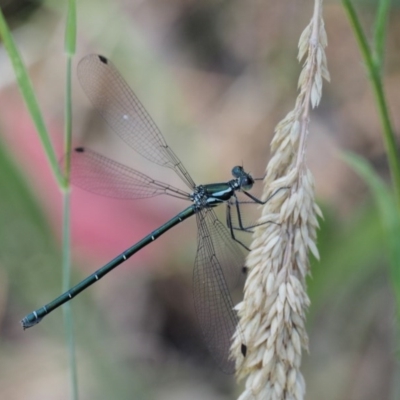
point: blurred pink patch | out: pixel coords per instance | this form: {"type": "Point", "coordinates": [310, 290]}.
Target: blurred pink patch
{"type": "Point", "coordinates": [101, 227]}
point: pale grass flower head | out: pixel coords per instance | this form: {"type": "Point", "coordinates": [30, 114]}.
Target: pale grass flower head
{"type": "Point", "coordinates": [272, 314]}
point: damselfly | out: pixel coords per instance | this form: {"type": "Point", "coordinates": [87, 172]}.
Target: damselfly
{"type": "Point", "coordinates": [219, 259]}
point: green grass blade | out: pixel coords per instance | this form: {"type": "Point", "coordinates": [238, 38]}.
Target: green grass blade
{"type": "Point", "coordinates": [389, 216]}
{"type": "Point", "coordinates": [380, 33]}
{"type": "Point", "coordinates": [29, 97]}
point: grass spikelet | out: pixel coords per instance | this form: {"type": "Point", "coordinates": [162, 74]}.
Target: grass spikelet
{"type": "Point", "coordinates": [272, 314]}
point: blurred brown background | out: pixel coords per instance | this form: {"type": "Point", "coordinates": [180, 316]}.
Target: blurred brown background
{"type": "Point", "coordinates": [216, 76]}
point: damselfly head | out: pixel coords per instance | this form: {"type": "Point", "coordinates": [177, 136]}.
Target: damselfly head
{"type": "Point", "coordinates": [244, 179]}
{"type": "Point", "coordinates": [238, 171]}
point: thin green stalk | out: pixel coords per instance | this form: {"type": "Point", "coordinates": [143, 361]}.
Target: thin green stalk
{"type": "Point", "coordinates": [380, 33]}
{"type": "Point", "coordinates": [69, 47]}
{"type": "Point", "coordinates": [68, 121]}
{"type": "Point", "coordinates": [375, 78]}
{"type": "Point", "coordinates": [66, 248]}
{"type": "Point", "coordinates": [28, 94]}
{"type": "Point", "coordinates": [66, 280]}
{"type": "Point", "coordinates": [70, 31]}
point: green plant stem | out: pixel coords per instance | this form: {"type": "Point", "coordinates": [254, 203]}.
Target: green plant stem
{"type": "Point", "coordinates": [66, 283]}
{"type": "Point", "coordinates": [68, 121]}
{"type": "Point", "coordinates": [70, 29]}
{"type": "Point", "coordinates": [380, 33]}
{"type": "Point", "coordinates": [69, 47]}
{"type": "Point", "coordinates": [375, 78]}
{"type": "Point", "coordinates": [66, 248]}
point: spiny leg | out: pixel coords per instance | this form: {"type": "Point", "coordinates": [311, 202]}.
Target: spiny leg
{"type": "Point", "coordinates": [241, 227]}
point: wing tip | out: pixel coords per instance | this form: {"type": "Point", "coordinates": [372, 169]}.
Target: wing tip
{"type": "Point", "coordinates": [103, 59]}
{"type": "Point", "coordinates": [243, 349]}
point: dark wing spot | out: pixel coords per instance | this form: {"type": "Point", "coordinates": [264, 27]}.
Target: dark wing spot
{"type": "Point", "coordinates": [244, 270]}
{"type": "Point", "coordinates": [243, 349]}
{"type": "Point", "coordinates": [103, 59]}
{"type": "Point", "coordinates": [80, 149]}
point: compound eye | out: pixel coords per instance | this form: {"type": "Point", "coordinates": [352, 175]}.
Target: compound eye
{"type": "Point", "coordinates": [246, 183]}
{"type": "Point", "coordinates": [237, 171]}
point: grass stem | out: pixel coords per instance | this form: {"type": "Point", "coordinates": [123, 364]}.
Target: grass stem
{"type": "Point", "coordinates": [377, 86]}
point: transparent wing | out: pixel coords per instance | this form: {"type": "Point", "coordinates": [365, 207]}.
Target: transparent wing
{"type": "Point", "coordinates": [217, 270]}
{"type": "Point", "coordinates": [119, 106]}
{"type": "Point", "coordinates": [101, 175]}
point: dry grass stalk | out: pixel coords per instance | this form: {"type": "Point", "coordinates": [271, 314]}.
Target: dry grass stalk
{"type": "Point", "coordinates": [272, 313]}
